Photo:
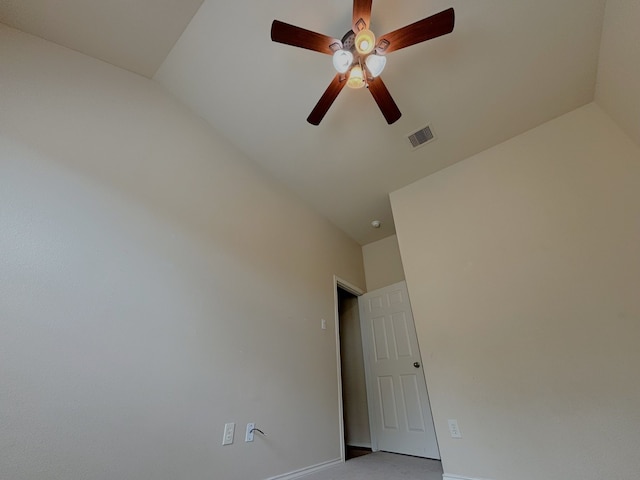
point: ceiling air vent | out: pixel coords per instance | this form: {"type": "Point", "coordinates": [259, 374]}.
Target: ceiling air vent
{"type": "Point", "coordinates": [421, 137]}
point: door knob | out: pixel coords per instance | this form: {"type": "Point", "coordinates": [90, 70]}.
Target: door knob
{"type": "Point", "coordinates": [416, 364]}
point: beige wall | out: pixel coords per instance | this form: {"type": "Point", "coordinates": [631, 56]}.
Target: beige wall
{"type": "Point", "coordinates": [523, 268]}
{"type": "Point", "coordinates": [618, 87]}
{"type": "Point", "coordinates": [153, 286]}
{"type": "Point", "coordinates": [382, 263]}
{"type": "Point", "coordinates": [354, 387]}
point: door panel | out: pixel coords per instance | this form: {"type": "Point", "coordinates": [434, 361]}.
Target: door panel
{"type": "Point", "coordinates": [411, 396]}
{"type": "Point", "coordinates": [388, 401]}
{"type": "Point", "coordinates": [401, 335]}
{"type": "Point", "coordinates": [400, 416]}
{"type": "Point", "coordinates": [380, 339]}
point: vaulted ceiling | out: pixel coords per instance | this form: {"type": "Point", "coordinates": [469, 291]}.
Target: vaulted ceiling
{"type": "Point", "coordinates": [507, 67]}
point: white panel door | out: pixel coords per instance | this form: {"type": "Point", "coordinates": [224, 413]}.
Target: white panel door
{"type": "Point", "coordinates": [400, 414]}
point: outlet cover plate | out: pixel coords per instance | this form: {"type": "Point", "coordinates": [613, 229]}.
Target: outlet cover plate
{"type": "Point", "coordinates": [454, 430]}
{"type": "Point", "coordinates": [248, 437]}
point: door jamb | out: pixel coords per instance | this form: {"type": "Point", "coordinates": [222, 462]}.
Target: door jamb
{"type": "Point", "coordinates": [339, 282]}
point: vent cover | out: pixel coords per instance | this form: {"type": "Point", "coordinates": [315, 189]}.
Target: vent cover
{"type": "Point", "coordinates": [421, 137]}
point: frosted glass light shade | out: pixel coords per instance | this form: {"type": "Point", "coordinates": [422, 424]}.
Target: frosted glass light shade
{"type": "Point", "coordinates": [356, 77]}
{"type": "Point", "coordinates": [375, 64]}
{"type": "Point", "coordinates": [365, 41]}
{"type": "Point", "coordinates": [342, 60]}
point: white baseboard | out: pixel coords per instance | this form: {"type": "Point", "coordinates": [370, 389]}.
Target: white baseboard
{"type": "Point", "coordinates": [450, 476]}
{"type": "Point", "coordinates": [303, 472]}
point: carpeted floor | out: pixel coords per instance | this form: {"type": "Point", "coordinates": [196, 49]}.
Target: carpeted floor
{"type": "Point", "coordinates": [382, 466]}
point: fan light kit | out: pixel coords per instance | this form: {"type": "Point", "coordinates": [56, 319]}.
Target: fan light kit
{"type": "Point", "coordinates": [358, 58]}
{"type": "Point", "coordinates": [347, 61]}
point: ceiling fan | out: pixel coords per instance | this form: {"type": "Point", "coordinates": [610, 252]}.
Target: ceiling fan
{"type": "Point", "coordinates": [358, 58]}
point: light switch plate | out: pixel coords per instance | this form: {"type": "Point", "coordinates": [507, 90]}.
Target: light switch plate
{"type": "Point", "coordinates": [229, 429]}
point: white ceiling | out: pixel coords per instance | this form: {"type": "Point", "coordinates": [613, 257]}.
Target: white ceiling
{"type": "Point", "coordinates": [618, 90]}
{"type": "Point", "coordinates": [507, 67]}
{"type": "Point", "coordinates": [133, 34]}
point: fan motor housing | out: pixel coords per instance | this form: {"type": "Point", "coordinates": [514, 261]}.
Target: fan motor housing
{"type": "Point", "coordinates": [349, 41]}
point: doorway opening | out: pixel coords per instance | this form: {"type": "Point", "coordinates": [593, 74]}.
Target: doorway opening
{"type": "Point", "coordinates": [356, 436]}
{"type": "Point", "coordinates": [384, 403]}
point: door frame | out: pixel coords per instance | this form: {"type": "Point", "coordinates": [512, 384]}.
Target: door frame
{"type": "Point", "coordinates": [344, 285]}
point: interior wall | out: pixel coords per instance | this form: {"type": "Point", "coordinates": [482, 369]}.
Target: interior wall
{"type": "Point", "coordinates": [382, 263]}
{"type": "Point", "coordinates": [618, 86]}
{"type": "Point", "coordinates": [154, 285]}
{"type": "Point", "coordinates": [523, 268]}
{"type": "Point", "coordinates": [354, 387]}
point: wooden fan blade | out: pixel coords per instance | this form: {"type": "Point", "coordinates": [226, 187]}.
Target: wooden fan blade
{"type": "Point", "coordinates": [327, 99]}
{"type": "Point", "coordinates": [420, 31]}
{"type": "Point", "coordinates": [384, 100]}
{"type": "Point", "coordinates": [299, 37]}
{"type": "Point", "coordinates": [361, 11]}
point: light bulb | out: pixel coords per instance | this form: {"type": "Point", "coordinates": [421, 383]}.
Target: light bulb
{"type": "Point", "coordinates": [375, 64]}
{"type": "Point", "coordinates": [342, 60]}
{"type": "Point", "coordinates": [365, 41]}
{"type": "Point", "coordinates": [356, 77]}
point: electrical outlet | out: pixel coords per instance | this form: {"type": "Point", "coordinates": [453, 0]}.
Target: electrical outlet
{"type": "Point", "coordinates": [229, 429]}
{"type": "Point", "coordinates": [454, 429]}
{"type": "Point", "coordinates": [248, 437]}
